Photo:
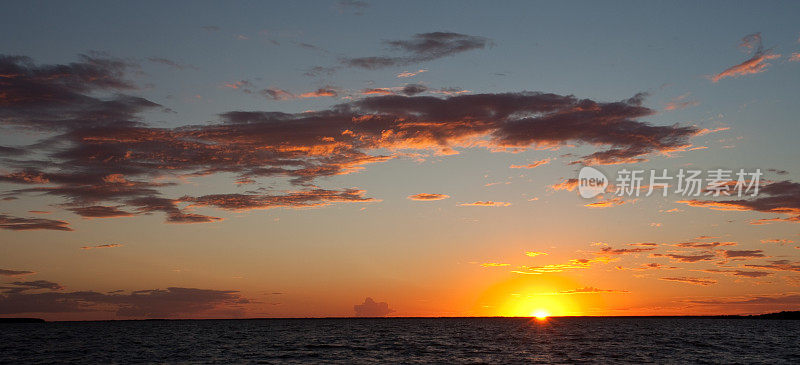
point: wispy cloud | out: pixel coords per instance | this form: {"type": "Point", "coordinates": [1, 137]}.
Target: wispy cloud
{"type": "Point", "coordinates": [108, 245]}
{"type": "Point", "coordinates": [693, 281]}
{"type": "Point", "coordinates": [421, 47]}
{"type": "Point", "coordinates": [428, 197]}
{"type": "Point", "coordinates": [487, 203]}
{"type": "Point", "coordinates": [753, 65]}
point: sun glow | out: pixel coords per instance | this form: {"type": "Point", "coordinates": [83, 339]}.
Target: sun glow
{"type": "Point", "coordinates": [540, 314]}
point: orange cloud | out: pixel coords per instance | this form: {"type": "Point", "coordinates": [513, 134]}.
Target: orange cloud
{"type": "Point", "coordinates": [493, 264]}
{"type": "Point", "coordinates": [571, 265]}
{"type": "Point", "coordinates": [591, 290]}
{"type": "Point", "coordinates": [607, 203]}
{"type": "Point", "coordinates": [681, 102]}
{"type": "Point", "coordinates": [428, 197]}
{"type": "Point", "coordinates": [693, 281]}
{"type": "Point", "coordinates": [568, 184]}
{"type": "Point", "coordinates": [111, 245]}
{"type": "Point", "coordinates": [755, 64]}
{"type": "Point", "coordinates": [535, 253]}
{"type": "Point", "coordinates": [488, 203]}
{"type": "Point", "coordinates": [410, 74]}
{"type": "Point", "coordinates": [531, 165]}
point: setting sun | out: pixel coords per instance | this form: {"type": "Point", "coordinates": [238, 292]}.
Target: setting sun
{"type": "Point", "coordinates": [540, 314]}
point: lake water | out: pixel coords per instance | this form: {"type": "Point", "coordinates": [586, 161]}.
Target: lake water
{"type": "Point", "coordinates": [404, 340]}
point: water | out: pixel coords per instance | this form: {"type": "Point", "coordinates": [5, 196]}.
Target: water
{"type": "Point", "coordinates": [439, 340]}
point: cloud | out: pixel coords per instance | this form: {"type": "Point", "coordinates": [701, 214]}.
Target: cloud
{"type": "Point", "coordinates": [687, 258]}
{"type": "Point", "coordinates": [105, 160]}
{"type": "Point", "coordinates": [370, 308]}
{"type": "Point", "coordinates": [753, 65]}
{"type": "Point", "coordinates": [616, 201]}
{"type": "Point", "coordinates": [693, 281]}
{"type": "Point", "coordinates": [421, 47]}
{"type": "Point", "coordinates": [171, 63]}
{"type": "Point", "coordinates": [487, 203]}
{"type": "Point", "coordinates": [779, 197]}
{"type": "Point", "coordinates": [795, 57]}
{"type": "Point", "coordinates": [210, 28]}
{"type": "Point", "coordinates": [742, 254]}
{"type": "Point", "coordinates": [278, 94]}
{"type": "Point", "coordinates": [532, 165]}
{"type": "Point", "coordinates": [779, 265]}
{"type": "Point", "coordinates": [778, 241]}
{"type": "Point", "coordinates": [31, 224]}
{"type": "Point", "coordinates": [98, 211]}
{"type": "Point", "coordinates": [110, 245]}
{"type": "Point", "coordinates": [428, 197]}
{"type": "Point", "coordinates": [299, 199]}
{"type": "Point", "coordinates": [741, 273]}
{"type": "Point", "coordinates": [552, 268]}
{"type": "Point", "coordinates": [607, 250]}
{"type": "Point", "coordinates": [22, 286]}
{"type": "Point", "coordinates": [591, 290]}
{"type": "Point", "coordinates": [494, 264]}
{"type": "Point", "coordinates": [172, 302]}
{"type": "Point", "coordinates": [414, 89]}
{"type": "Point", "coordinates": [681, 102]}
{"type": "Point", "coordinates": [705, 244]}
{"type": "Point", "coordinates": [8, 272]}
{"type": "Point", "coordinates": [783, 298]}
{"type": "Point", "coordinates": [568, 185]}
{"type": "Point", "coordinates": [405, 74]}
{"type": "Point", "coordinates": [535, 253]}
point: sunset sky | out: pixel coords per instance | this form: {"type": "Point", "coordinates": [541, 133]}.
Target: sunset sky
{"type": "Point", "coordinates": [323, 158]}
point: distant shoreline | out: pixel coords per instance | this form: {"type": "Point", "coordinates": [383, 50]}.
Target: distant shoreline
{"type": "Point", "coordinates": [785, 315]}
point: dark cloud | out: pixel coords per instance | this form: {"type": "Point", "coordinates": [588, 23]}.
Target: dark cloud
{"type": "Point", "coordinates": [7, 272]}
{"type": "Point", "coordinates": [741, 273]}
{"type": "Point", "coordinates": [414, 89]}
{"type": "Point", "coordinates": [30, 224]}
{"type": "Point", "coordinates": [779, 265]}
{"type": "Point", "coordinates": [172, 302]}
{"type": "Point", "coordinates": [787, 298]}
{"type": "Point", "coordinates": [174, 64]}
{"type": "Point", "coordinates": [311, 198]}
{"type": "Point", "coordinates": [743, 254]}
{"type": "Point", "coordinates": [779, 197]}
{"type": "Point", "coordinates": [210, 28]}
{"type": "Point", "coordinates": [53, 97]}
{"type": "Point", "coordinates": [11, 151]}
{"type": "Point", "coordinates": [704, 244]}
{"type": "Point", "coordinates": [108, 245]}
{"type": "Point", "coordinates": [370, 308]}
{"type": "Point", "coordinates": [693, 281]}
{"type": "Point", "coordinates": [421, 47]}
{"type": "Point", "coordinates": [621, 251]}
{"type": "Point", "coordinates": [687, 258]}
{"type": "Point", "coordinates": [22, 286]}
{"type": "Point", "coordinates": [99, 211]}
{"type": "Point", "coordinates": [104, 161]}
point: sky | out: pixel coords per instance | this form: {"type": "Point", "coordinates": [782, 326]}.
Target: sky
{"type": "Point", "coordinates": [353, 158]}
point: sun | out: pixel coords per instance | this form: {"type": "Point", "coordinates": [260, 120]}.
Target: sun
{"type": "Point", "coordinates": [540, 314]}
